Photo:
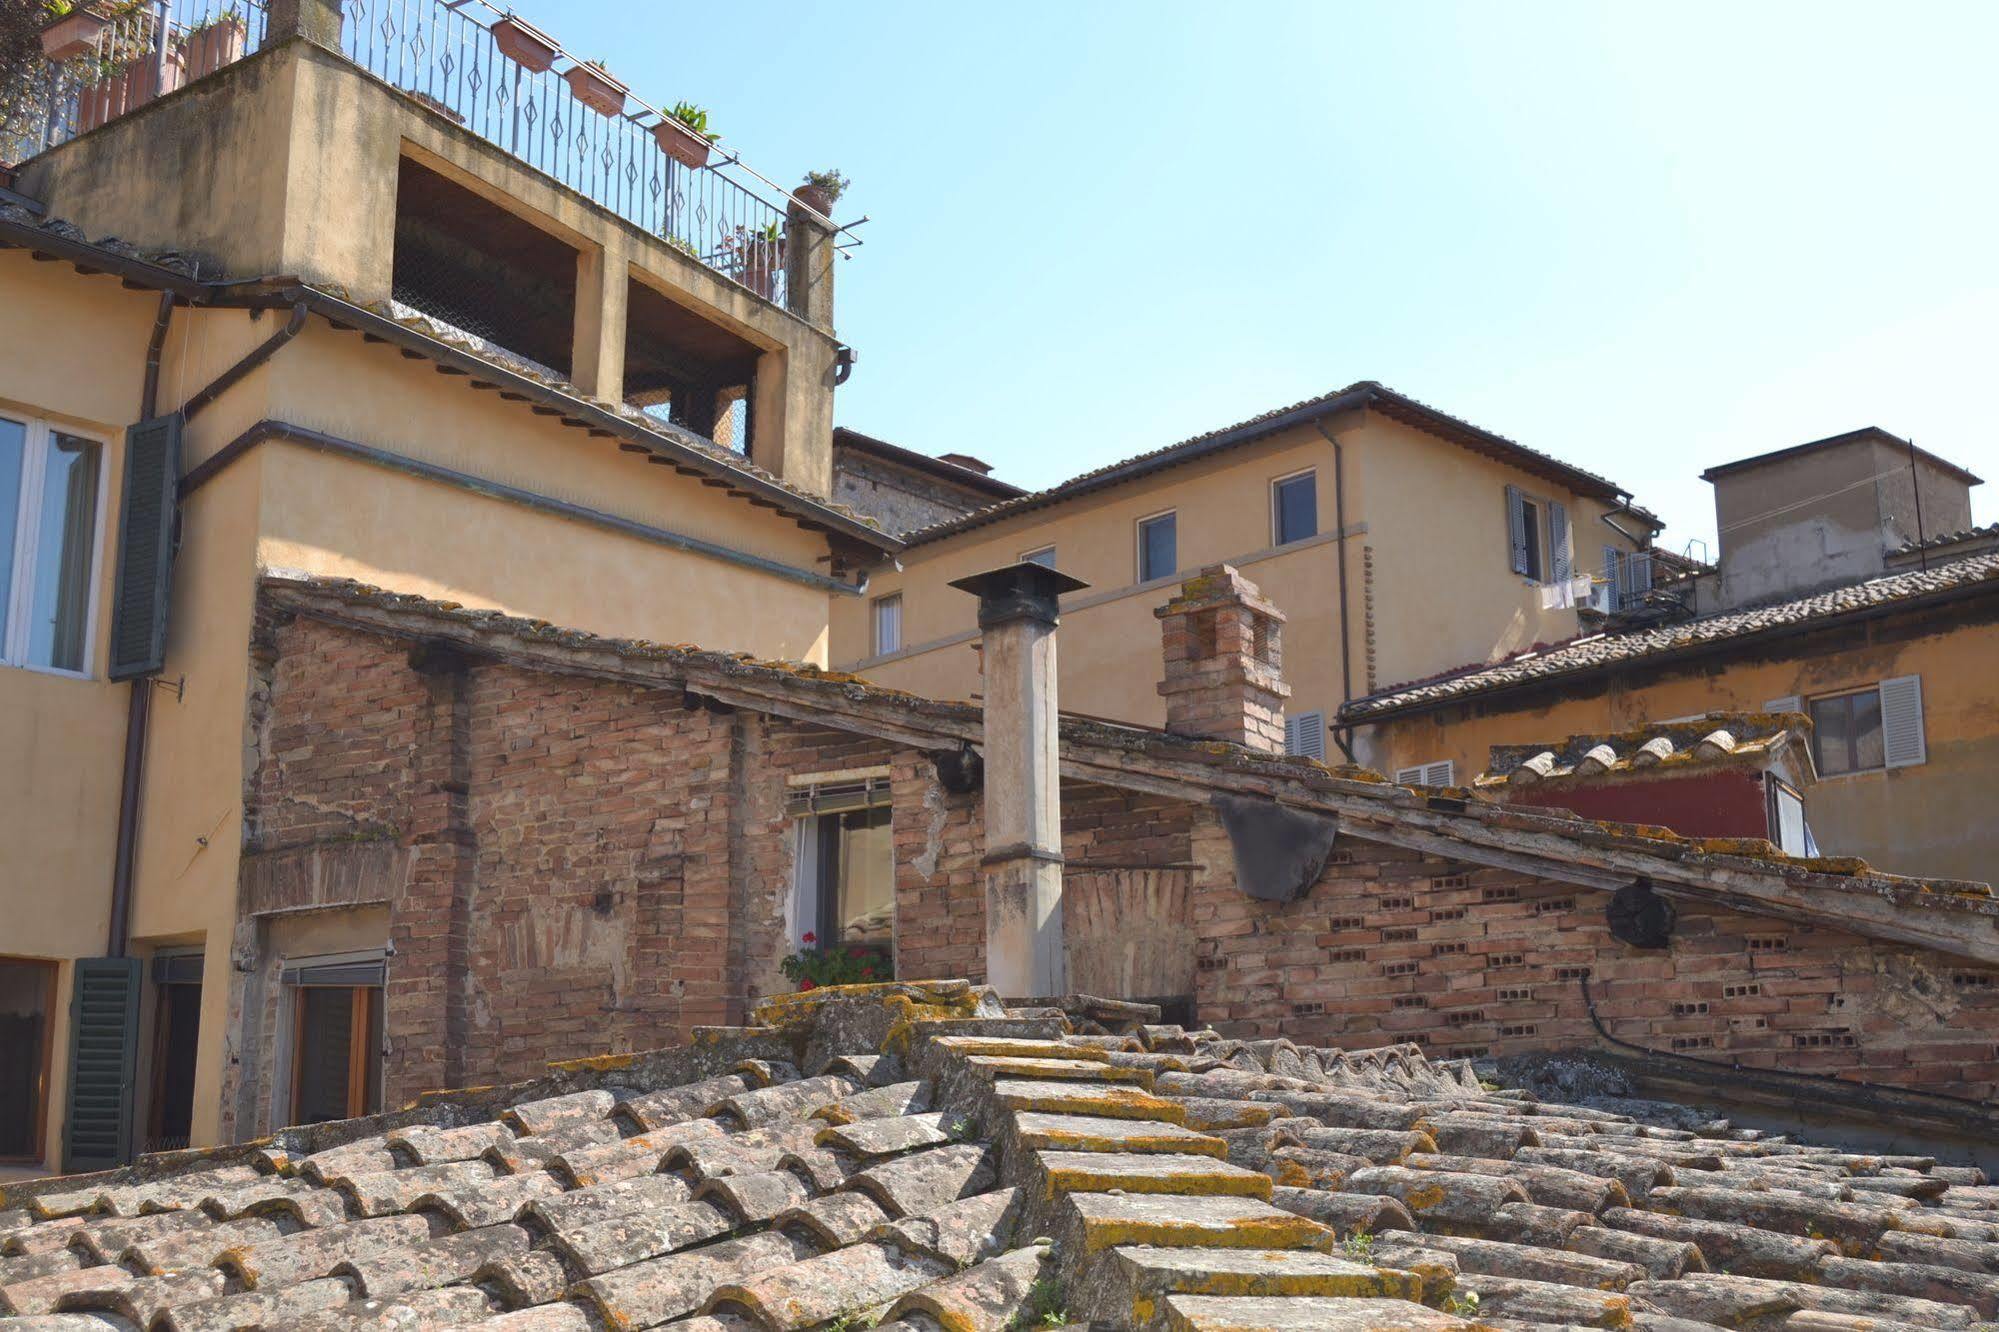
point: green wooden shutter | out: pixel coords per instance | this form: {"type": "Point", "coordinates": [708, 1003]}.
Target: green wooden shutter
{"type": "Point", "coordinates": [145, 547]}
{"type": "Point", "coordinates": [103, 1053]}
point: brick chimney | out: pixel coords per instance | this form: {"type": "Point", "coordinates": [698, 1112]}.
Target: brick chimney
{"type": "Point", "coordinates": [1224, 661]}
{"type": "Point", "coordinates": [1023, 861]}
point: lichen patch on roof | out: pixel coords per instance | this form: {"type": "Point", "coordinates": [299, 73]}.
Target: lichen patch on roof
{"type": "Point", "coordinates": [1006, 1168]}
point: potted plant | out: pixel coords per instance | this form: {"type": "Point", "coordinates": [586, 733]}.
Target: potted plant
{"type": "Point", "coordinates": [821, 190]}
{"type": "Point", "coordinates": [74, 26]}
{"type": "Point", "coordinates": [214, 42]}
{"type": "Point", "coordinates": [524, 44]}
{"type": "Point", "coordinates": [813, 966]}
{"type": "Point", "coordinates": [596, 89]}
{"type": "Point", "coordinates": [758, 257]}
{"type": "Point", "coordinates": [684, 135]}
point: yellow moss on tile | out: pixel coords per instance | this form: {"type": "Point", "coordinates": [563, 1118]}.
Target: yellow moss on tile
{"type": "Point", "coordinates": [603, 1063]}
{"type": "Point", "coordinates": [1278, 1231]}
{"type": "Point", "coordinates": [1185, 1183]}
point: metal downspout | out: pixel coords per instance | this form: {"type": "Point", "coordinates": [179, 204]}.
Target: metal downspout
{"type": "Point", "coordinates": [1342, 736]}
{"type": "Point", "coordinates": [139, 709]}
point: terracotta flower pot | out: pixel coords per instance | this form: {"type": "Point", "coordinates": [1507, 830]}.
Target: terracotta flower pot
{"type": "Point", "coordinates": [596, 90]}
{"type": "Point", "coordinates": [75, 32]}
{"type": "Point", "coordinates": [214, 46]}
{"type": "Point", "coordinates": [524, 44]}
{"type": "Point", "coordinates": [681, 144]}
{"type": "Point", "coordinates": [815, 198]}
{"type": "Point", "coordinates": [761, 260]}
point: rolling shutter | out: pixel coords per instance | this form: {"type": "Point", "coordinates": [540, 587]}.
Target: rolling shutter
{"type": "Point", "coordinates": [1306, 734]}
{"type": "Point", "coordinates": [1558, 540]}
{"type": "Point", "coordinates": [1788, 703]}
{"type": "Point", "coordinates": [1516, 528]}
{"type": "Point", "coordinates": [103, 1053]}
{"type": "Point", "coordinates": [145, 547]}
{"type": "Point", "coordinates": [1902, 722]}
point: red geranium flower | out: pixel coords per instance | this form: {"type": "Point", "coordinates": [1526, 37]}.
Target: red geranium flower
{"type": "Point", "coordinates": [807, 984]}
{"type": "Point", "coordinates": [811, 938]}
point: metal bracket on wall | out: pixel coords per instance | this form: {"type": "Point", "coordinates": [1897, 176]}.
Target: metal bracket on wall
{"type": "Point", "coordinates": [178, 687]}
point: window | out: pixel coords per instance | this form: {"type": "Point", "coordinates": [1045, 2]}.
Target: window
{"type": "Point", "coordinates": [1306, 734]}
{"type": "Point", "coordinates": [1044, 557]}
{"type": "Point", "coordinates": [843, 893]}
{"type": "Point", "coordinates": [1443, 773]}
{"type": "Point", "coordinates": [1538, 539]}
{"type": "Point", "coordinates": [888, 625]}
{"type": "Point", "coordinates": [27, 1017]}
{"type": "Point", "coordinates": [1865, 729]}
{"type": "Point", "coordinates": [1158, 547]}
{"type": "Point", "coordinates": [336, 1038]}
{"type": "Point", "coordinates": [51, 513]}
{"type": "Point", "coordinates": [1788, 828]}
{"type": "Point", "coordinates": [1294, 508]}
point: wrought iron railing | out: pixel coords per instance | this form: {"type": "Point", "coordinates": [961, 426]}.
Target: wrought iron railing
{"type": "Point", "coordinates": [124, 64]}
{"type": "Point", "coordinates": [446, 56]}
{"type": "Point", "coordinates": [443, 53]}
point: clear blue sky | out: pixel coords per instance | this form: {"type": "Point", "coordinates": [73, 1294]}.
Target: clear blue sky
{"type": "Point", "coordinates": [1643, 238]}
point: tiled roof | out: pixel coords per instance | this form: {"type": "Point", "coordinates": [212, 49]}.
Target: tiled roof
{"type": "Point", "coordinates": [942, 468]}
{"type": "Point", "coordinates": [1366, 393]}
{"type": "Point", "coordinates": [916, 1157]}
{"type": "Point", "coordinates": [1942, 539]}
{"type": "Point", "coordinates": [1732, 629]}
{"type": "Point", "coordinates": [1719, 739]}
{"type": "Point", "coordinates": [183, 275]}
{"type": "Point", "coordinates": [1871, 433]}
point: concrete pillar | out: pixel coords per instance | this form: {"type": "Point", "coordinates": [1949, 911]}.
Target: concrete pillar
{"type": "Point", "coordinates": [1224, 650]}
{"type": "Point", "coordinates": [315, 20]}
{"type": "Point", "coordinates": [1023, 806]}
{"type": "Point", "coordinates": [808, 266]}
{"type": "Point", "coordinates": [603, 292]}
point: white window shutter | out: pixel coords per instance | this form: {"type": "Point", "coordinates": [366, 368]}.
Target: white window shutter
{"type": "Point", "coordinates": [1902, 721]}
{"type": "Point", "coordinates": [1306, 734]}
{"type": "Point", "coordinates": [1516, 528]}
{"type": "Point", "coordinates": [1409, 776]}
{"type": "Point", "coordinates": [1788, 703]}
{"type": "Point", "coordinates": [1440, 774]}
{"type": "Point", "coordinates": [1558, 541]}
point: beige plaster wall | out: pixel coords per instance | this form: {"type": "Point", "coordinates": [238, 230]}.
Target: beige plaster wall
{"type": "Point", "coordinates": [1431, 514]}
{"type": "Point", "coordinates": [1931, 819]}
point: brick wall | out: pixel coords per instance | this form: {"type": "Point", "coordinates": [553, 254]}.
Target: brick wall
{"type": "Point", "coordinates": [589, 866]}
{"type": "Point", "coordinates": [1392, 945]}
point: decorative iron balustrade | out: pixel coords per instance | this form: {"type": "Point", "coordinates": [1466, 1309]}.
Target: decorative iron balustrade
{"type": "Point", "coordinates": [444, 55]}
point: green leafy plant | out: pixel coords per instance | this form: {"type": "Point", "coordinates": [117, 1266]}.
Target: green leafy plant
{"type": "Point", "coordinates": [830, 182]}
{"type": "Point", "coordinates": [813, 966]}
{"type": "Point", "coordinates": [693, 118]}
{"type": "Point", "coordinates": [1044, 1307]}
{"type": "Point", "coordinates": [1463, 1303]}
{"type": "Point", "coordinates": [1359, 1246]}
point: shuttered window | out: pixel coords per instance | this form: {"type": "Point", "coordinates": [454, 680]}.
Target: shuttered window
{"type": "Point", "coordinates": [1306, 734]}
{"type": "Point", "coordinates": [1558, 543]}
{"type": "Point", "coordinates": [51, 526]}
{"type": "Point", "coordinates": [1519, 521]}
{"type": "Point", "coordinates": [103, 1055]}
{"type": "Point", "coordinates": [1862, 730]}
{"type": "Point", "coordinates": [145, 548]}
{"type": "Point", "coordinates": [1441, 773]}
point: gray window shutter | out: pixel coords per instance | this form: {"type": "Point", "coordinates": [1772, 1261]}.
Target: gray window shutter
{"type": "Point", "coordinates": [1902, 722]}
{"type": "Point", "coordinates": [1613, 565]}
{"type": "Point", "coordinates": [145, 547]}
{"type": "Point", "coordinates": [1788, 703]}
{"type": "Point", "coordinates": [1441, 774]}
{"type": "Point", "coordinates": [1306, 734]}
{"type": "Point", "coordinates": [103, 1054]}
{"type": "Point", "coordinates": [1558, 540]}
{"type": "Point", "coordinates": [1516, 528]}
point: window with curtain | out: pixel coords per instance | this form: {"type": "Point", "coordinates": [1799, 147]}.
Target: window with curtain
{"type": "Point", "coordinates": [50, 512]}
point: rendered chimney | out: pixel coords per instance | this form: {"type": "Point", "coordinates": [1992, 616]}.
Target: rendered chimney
{"type": "Point", "coordinates": [1224, 661]}
{"type": "Point", "coordinates": [1023, 862]}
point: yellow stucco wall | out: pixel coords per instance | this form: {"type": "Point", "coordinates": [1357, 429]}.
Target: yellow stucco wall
{"type": "Point", "coordinates": [1432, 514]}
{"type": "Point", "coordinates": [1930, 819]}
{"type": "Point", "coordinates": [72, 350]}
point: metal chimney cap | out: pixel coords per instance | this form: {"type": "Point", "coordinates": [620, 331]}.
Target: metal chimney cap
{"type": "Point", "coordinates": [1022, 591]}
